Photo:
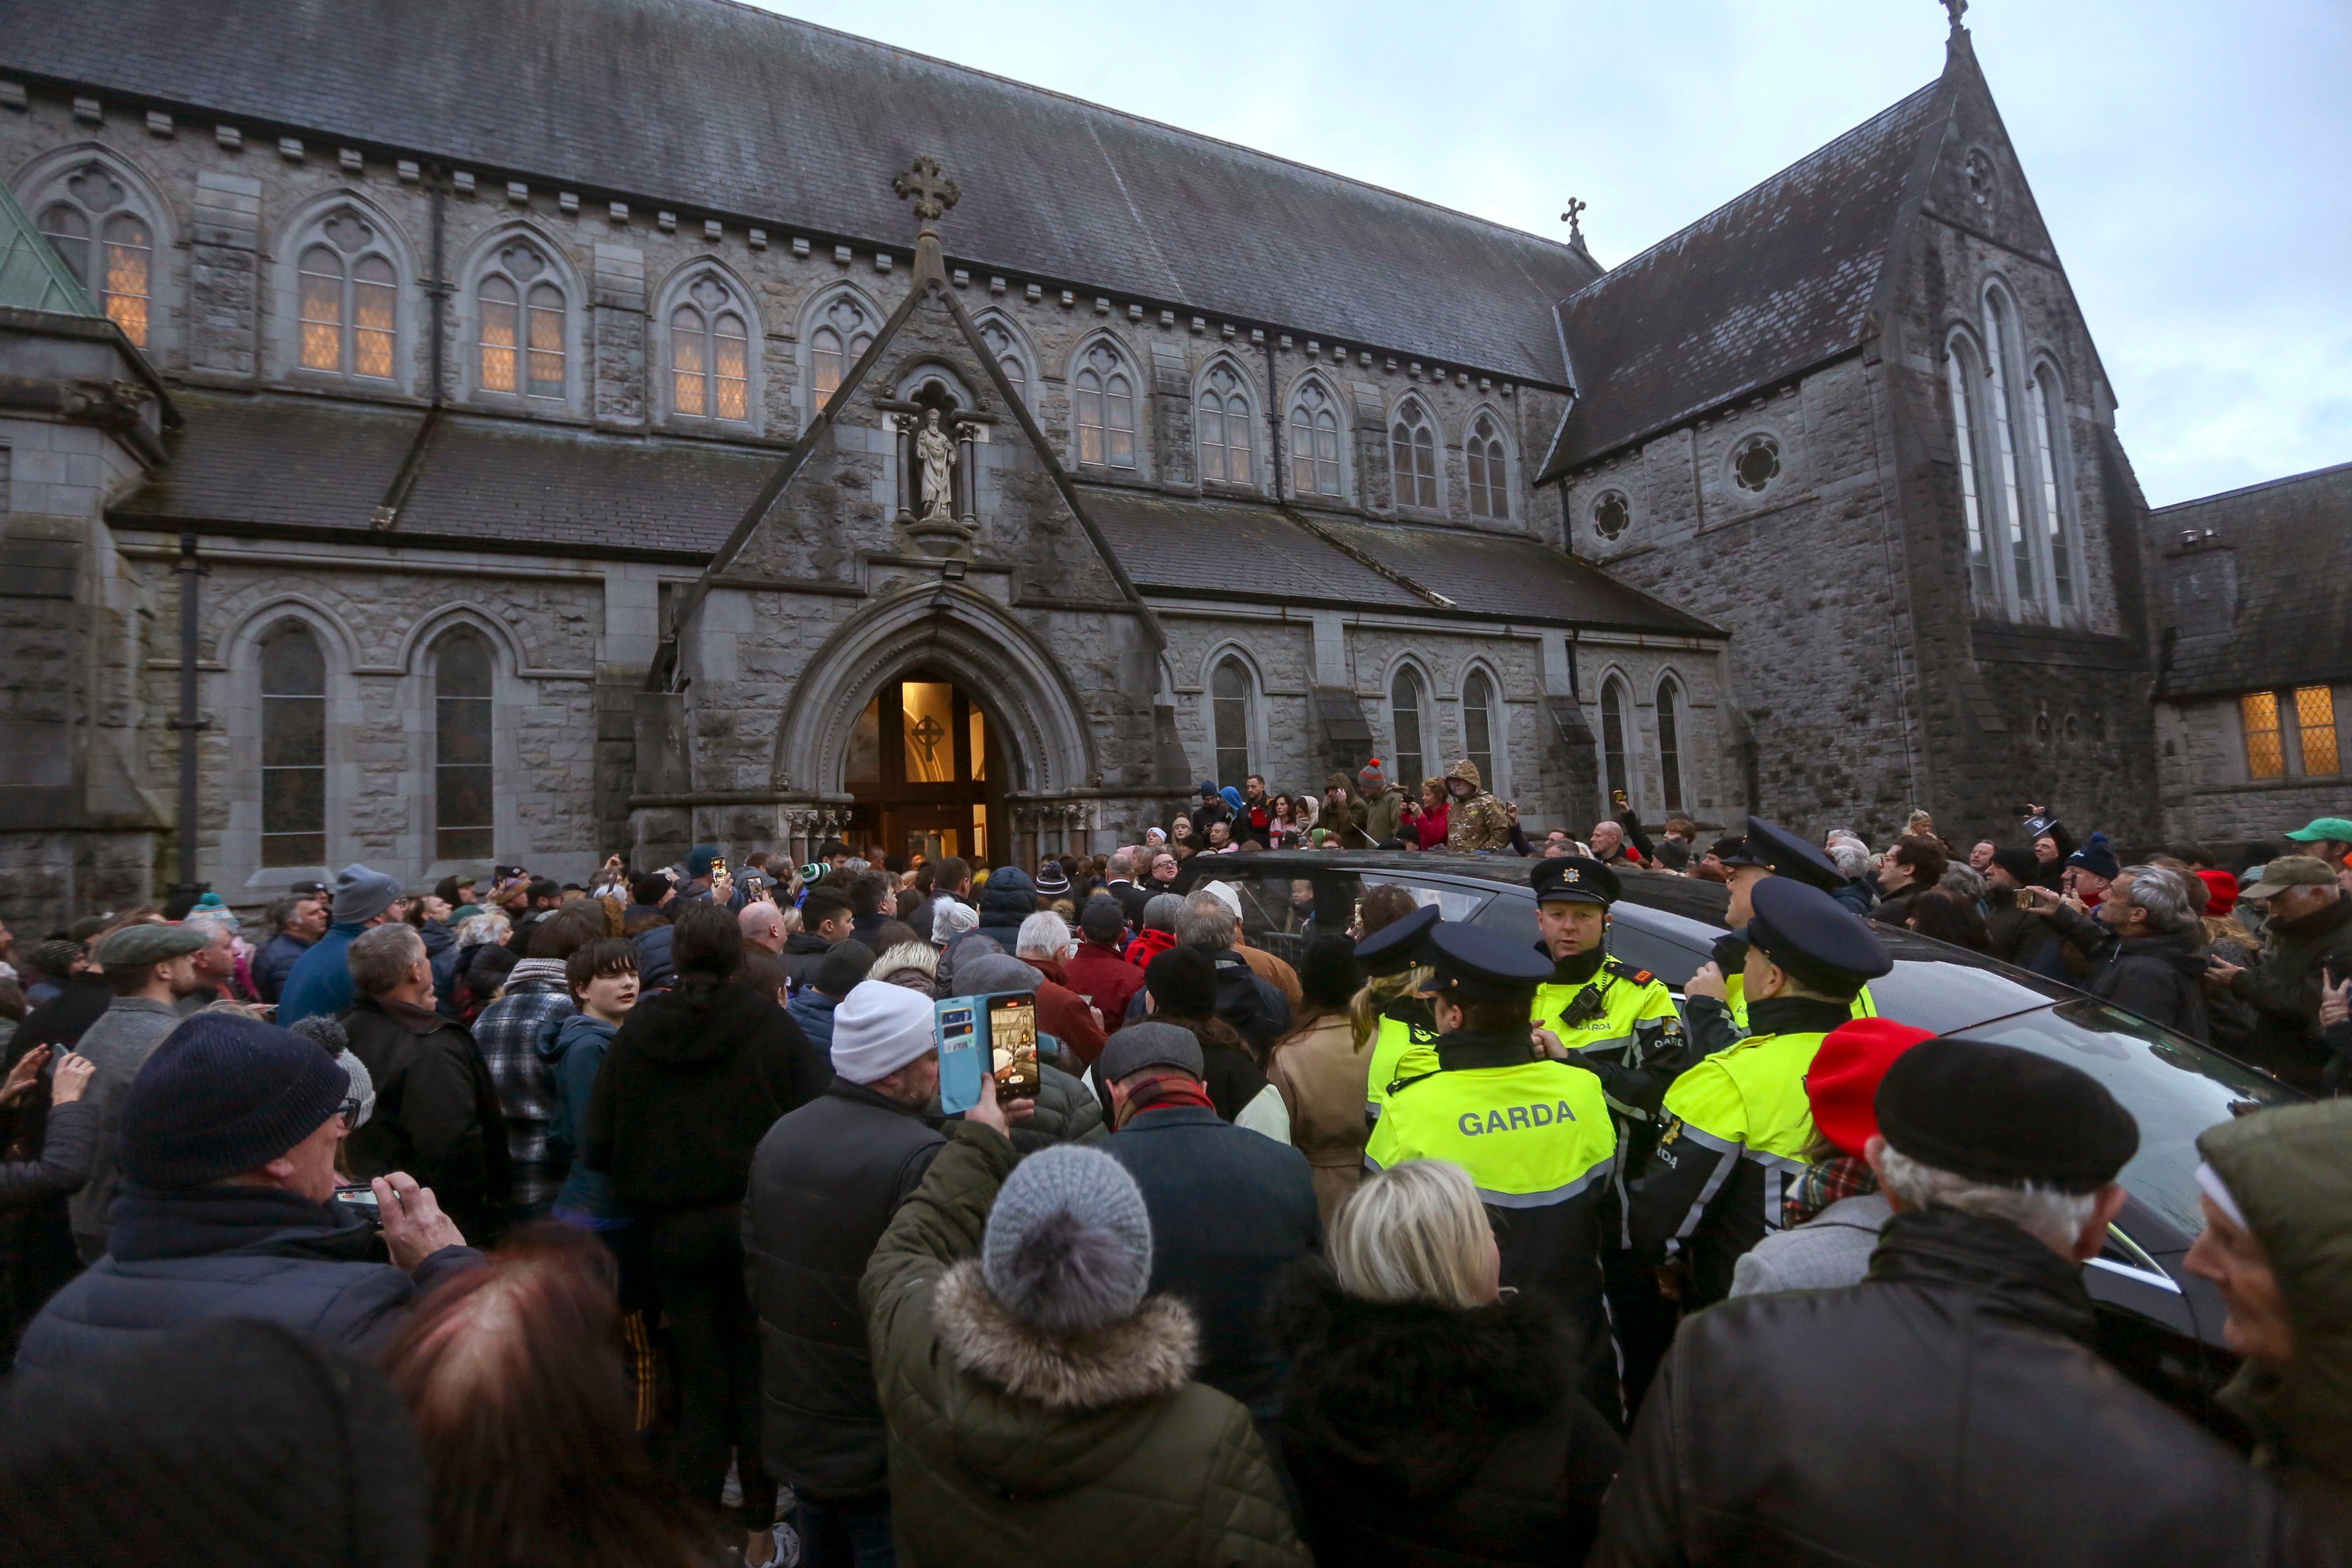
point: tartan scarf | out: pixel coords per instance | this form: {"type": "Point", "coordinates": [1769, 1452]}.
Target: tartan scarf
{"type": "Point", "coordinates": [1843, 1176]}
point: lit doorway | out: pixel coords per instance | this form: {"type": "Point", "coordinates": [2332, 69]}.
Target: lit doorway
{"type": "Point", "coordinates": [926, 773]}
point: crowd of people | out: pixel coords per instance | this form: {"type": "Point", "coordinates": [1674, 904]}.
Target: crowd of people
{"type": "Point", "coordinates": [625, 1223]}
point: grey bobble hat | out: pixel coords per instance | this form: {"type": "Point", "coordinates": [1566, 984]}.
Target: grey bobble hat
{"type": "Point", "coordinates": [362, 894]}
{"type": "Point", "coordinates": [1068, 1248]}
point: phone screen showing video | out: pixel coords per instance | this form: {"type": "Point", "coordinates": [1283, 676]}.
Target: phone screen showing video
{"type": "Point", "coordinates": [1013, 1037]}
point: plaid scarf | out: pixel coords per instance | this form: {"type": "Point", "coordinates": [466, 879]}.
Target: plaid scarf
{"type": "Point", "coordinates": [1844, 1176]}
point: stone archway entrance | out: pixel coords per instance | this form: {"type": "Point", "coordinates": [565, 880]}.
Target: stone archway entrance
{"type": "Point", "coordinates": [926, 771]}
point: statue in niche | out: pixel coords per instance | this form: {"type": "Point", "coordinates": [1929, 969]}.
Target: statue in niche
{"type": "Point", "coordinates": [936, 454]}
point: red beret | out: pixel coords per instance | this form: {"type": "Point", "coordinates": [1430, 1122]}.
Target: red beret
{"type": "Point", "coordinates": [2221, 891]}
{"type": "Point", "coordinates": [1843, 1080]}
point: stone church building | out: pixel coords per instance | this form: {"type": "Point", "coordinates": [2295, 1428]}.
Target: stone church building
{"type": "Point", "coordinates": [582, 446]}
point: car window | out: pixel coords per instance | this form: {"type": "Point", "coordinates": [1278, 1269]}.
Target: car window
{"type": "Point", "coordinates": [1283, 911]}
{"type": "Point", "coordinates": [1454, 901]}
{"type": "Point", "coordinates": [2174, 1087]}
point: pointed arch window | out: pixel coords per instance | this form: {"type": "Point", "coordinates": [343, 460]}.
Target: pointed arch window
{"type": "Point", "coordinates": [1670, 743]}
{"type": "Point", "coordinates": [293, 748]}
{"type": "Point", "coordinates": [1413, 454]}
{"type": "Point", "coordinates": [1405, 709]}
{"type": "Point", "coordinates": [710, 353]}
{"type": "Point", "coordinates": [463, 725]}
{"type": "Point", "coordinates": [1489, 467]}
{"type": "Point", "coordinates": [348, 300]}
{"type": "Point", "coordinates": [1959, 364]}
{"type": "Point", "coordinates": [1231, 695]}
{"type": "Point", "coordinates": [2049, 447]}
{"type": "Point", "coordinates": [523, 309]}
{"type": "Point", "coordinates": [1999, 386]}
{"type": "Point", "coordinates": [1104, 392]}
{"type": "Point", "coordinates": [1616, 704]}
{"type": "Point", "coordinates": [1313, 442]}
{"type": "Point", "coordinates": [1479, 727]}
{"type": "Point", "coordinates": [1007, 355]}
{"type": "Point", "coordinates": [1223, 429]}
{"type": "Point", "coordinates": [844, 333]}
{"type": "Point", "coordinates": [108, 247]}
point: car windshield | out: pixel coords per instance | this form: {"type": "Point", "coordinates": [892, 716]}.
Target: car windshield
{"type": "Point", "coordinates": [2173, 1087]}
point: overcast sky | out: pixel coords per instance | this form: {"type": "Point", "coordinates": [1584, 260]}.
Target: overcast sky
{"type": "Point", "coordinates": [2184, 152]}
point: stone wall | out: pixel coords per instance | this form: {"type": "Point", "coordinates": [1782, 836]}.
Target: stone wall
{"type": "Point", "coordinates": [2210, 796]}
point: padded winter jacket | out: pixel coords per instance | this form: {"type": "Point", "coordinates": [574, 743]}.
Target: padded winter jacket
{"type": "Point", "coordinates": [1014, 1448]}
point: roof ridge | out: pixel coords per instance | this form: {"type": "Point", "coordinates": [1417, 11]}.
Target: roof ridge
{"type": "Point", "coordinates": [1826, 148]}
{"type": "Point", "coordinates": [1133, 117]}
{"type": "Point", "coordinates": [2158, 511]}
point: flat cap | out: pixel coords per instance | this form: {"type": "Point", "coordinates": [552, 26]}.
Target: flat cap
{"type": "Point", "coordinates": [1769, 844]}
{"type": "Point", "coordinates": [1814, 937]}
{"type": "Point", "coordinates": [1574, 879]}
{"type": "Point", "coordinates": [1398, 945]}
{"type": "Point", "coordinates": [1149, 1045]}
{"type": "Point", "coordinates": [1474, 964]}
{"type": "Point", "coordinates": [2004, 1115]}
{"type": "Point", "coordinates": [150, 942]}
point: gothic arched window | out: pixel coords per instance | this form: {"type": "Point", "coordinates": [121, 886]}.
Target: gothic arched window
{"type": "Point", "coordinates": [843, 333]}
{"type": "Point", "coordinates": [2000, 351]}
{"type": "Point", "coordinates": [1313, 442]}
{"type": "Point", "coordinates": [1104, 392]}
{"type": "Point", "coordinates": [1413, 454]}
{"type": "Point", "coordinates": [710, 353]}
{"type": "Point", "coordinates": [1616, 704]}
{"type": "Point", "coordinates": [1231, 691]}
{"type": "Point", "coordinates": [1405, 709]}
{"type": "Point", "coordinates": [107, 245]}
{"type": "Point", "coordinates": [1223, 429]}
{"type": "Point", "coordinates": [1479, 727]}
{"type": "Point", "coordinates": [1489, 470]}
{"type": "Point", "coordinates": [348, 300]}
{"type": "Point", "coordinates": [1006, 352]}
{"type": "Point", "coordinates": [293, 748]}
{"type": "Point", "coordinates": [1670, 742]}
{"type": "Point", "coordinates": [521, 307]}
{"type": "Point", "coordinates": [463, 727]}
{"type": "Point", "coordinates": [1960, 366]}
{"type": "Point", "coordinates": [2050, 452]}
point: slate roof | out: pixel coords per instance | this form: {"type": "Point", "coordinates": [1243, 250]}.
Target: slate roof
{"type": "Point", "coordinates": [303, 464]}
{"type": "Point", "coordinates": [1516, 576]}
{"type": "Point", "coordinates": [2271, 609]}
{"type": "Point", "coordinates": [716, 108]}
{"type": "Point", "coordinates": [1773, 282]}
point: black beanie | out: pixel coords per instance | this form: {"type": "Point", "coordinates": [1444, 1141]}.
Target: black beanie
{"type": "Point", "coordinates": [2004, 1115]}
{"type": "Point", "coordinates": [2020, 865]}
{"type": "Point", "coordinates": [1183, 982]}
{"type": "Point", "coordinates": [224, 1094]}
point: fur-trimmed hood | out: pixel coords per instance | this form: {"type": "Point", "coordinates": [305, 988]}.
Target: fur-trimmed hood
{"type": "Point", "coordinates": [1150, 1355]}
{"type": "Point", "coordinates": [1413, 1391]}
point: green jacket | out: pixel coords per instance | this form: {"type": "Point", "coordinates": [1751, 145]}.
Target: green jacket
{"type": "Point", "coordinates": [2289, 1173]}
{"type": "Point", "coordinates": [1011, 1446]}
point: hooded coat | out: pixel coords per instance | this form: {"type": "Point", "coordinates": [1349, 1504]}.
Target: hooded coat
{"type": "Point", "coordinates": [1475, 821]}
{"type": "Point", "coordinates": [1423, 1434]}
{"type": "Point", "coordinates": [1014, 1449]}
{"type": "Point", "coordinates": [1346, 820]}
{"type": "Point", "coordinates": [2286, 1169]}
{"type": "Point", "coordinates": [1007, 898]}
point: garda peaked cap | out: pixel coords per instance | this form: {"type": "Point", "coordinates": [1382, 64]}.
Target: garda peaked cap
{"type": "Point", "coordinates": [1814, 937]}
{"type": "Point", "coordinates": [1576, 879]}
{"type": "Point", "coordinates": [2005, 1115]}
{"type": "Point", "coordinates": [1474, 964]}
{"type": "Point", "coordinates": [1398, 945]}
{"type": "Point", "coordinates": [1769, 843]}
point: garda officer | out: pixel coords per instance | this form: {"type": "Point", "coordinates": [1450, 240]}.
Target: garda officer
{"type": "Point", "coordinates": [1405, 1032]}
{"type": "Point", "coordinates": [1738, 1124]}
{"type": "Point", "coordinates": [1534, 1134]}
{"type": "Point", "coordinates": [1716, 996]}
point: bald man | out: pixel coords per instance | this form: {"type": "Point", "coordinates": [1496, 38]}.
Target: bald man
{"type": "Point", "coordinates": [763, 927]}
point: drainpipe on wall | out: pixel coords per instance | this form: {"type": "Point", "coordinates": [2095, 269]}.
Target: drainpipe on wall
{"type": "Point", "coordinates": [190, 723]}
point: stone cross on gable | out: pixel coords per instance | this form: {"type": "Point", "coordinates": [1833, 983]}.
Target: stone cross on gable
{"type": "Point", "coordinates": [1575, 229]}
{"type": "Point", "coordinates": [932, 191]}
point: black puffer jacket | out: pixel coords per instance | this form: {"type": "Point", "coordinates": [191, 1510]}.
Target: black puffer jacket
{"type": "Point", "coordinates": [1008, 899]}
{"type": "Point", "coordinates": [2158, 977]}
{"type": "Point", "coordinates": [1418, 1434]}
{"type": "Point", "coordinates": [1947, 1411]}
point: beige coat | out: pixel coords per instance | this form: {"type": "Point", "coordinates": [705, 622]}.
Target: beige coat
{"type": "Point", "coordinates": [1321, 1077]}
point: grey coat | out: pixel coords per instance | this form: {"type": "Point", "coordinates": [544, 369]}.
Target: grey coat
{"type": "Point", "coordinates": [119, 1045]}
{"type": "Point", "coordinates": [1827, 1252]}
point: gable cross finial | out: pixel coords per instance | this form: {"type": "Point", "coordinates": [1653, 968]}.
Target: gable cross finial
{"type": "Point", "coordinates": [1575, 229]}
{"type": "Point", "coordinates": [932, 191]}
{"type": "Point", "coordinates": [1955, 9]}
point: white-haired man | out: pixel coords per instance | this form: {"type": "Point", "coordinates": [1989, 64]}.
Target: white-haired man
{"type": "Point", "coordinates": [1045, 944]}
{"type": "Point", "coordinates": [2146, 944]}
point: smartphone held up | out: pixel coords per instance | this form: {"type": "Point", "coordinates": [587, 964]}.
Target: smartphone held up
{"type": "Point", "coordinates": [995, 1033]}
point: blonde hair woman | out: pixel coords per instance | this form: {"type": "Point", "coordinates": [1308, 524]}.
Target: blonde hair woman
{"type": "Point", "coordinates": [1433, 1415]}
